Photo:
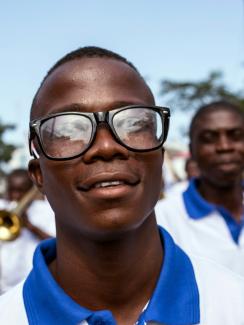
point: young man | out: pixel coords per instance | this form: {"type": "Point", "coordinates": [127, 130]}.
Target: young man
{"type": "Point", "coordinates": [207, 219]}
{"type": "Point", "coordinates": [97, 138]}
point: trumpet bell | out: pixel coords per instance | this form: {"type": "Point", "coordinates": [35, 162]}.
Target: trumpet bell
{"type": "Point", "coordinates": [10, 225]}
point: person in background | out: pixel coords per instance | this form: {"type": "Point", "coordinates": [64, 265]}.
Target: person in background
{"type": "Point", "coordinates": [18, 183]}
{"type": "Point", "coordinates": [207, 219]}
{"type": "Point", "coordinates": [96, 139]}
{"type": "Point", "coordinates": [37, 224]}
{"type": "Point", "coordinates": [191, 170]}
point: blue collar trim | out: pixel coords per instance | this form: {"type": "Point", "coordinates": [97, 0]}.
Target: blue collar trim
{"type": "Point", "coordinates": [175, 299]}
{"type": "Point", "coordinates": [45, 301]}
{"type": "Point", "coordinates": [197, 208]}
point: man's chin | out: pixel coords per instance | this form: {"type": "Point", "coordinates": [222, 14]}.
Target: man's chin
{"type": "Point", "coordinates": [116, 233]}
{"type": "Point", "coordinates": [227, 179]}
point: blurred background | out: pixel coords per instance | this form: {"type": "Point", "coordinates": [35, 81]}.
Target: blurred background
{"type": "Point", "coordinates": [190, 52]}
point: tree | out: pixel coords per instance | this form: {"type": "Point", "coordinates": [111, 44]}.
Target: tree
{"type": "Point", "coordinates": [6, 149]}
{"type": "Point", "coordinates": [190, 95]}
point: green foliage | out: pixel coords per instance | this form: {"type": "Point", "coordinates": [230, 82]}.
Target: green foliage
{"type": "Point", "coordinates": [6, 149]}
{"type": "Point", "coordinates": [191, 95]}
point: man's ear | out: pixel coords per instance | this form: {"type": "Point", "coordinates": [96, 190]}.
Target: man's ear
{"type": "Point", "coordinates": [35, 174]}
{"type": "Point", "coordinates": [190, 149]}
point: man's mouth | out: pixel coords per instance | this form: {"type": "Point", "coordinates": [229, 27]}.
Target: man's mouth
{"type": "Point", "coordinates": [108, 184]}
{"type": "Point", "coordinates": [227, 162]}
{"type": "Point", "coordinates": [228, 165]}
{"type": "Point", "coordinates": [108, 180]}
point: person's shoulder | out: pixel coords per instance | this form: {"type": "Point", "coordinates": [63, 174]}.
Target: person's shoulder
{"type": "Point", "coordinates": [204, 264]}
{"type": "Point", "coordinates": [12, 309]}
{"type": "Point", "coordinates": [221, 291]}
{"type": "Point", "coordinates": [170, 200]}
{"type": "Point", "coordinates": [177, 188]}
{"type": "Point", "coordinates": [171, 205]}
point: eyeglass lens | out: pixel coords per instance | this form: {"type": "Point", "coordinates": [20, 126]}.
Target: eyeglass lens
{"type": "Point", "coordinates": [64, 136]}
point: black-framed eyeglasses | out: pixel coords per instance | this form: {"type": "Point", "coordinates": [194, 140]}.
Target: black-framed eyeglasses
{"type": "Point", "coordinates": [67, 135]}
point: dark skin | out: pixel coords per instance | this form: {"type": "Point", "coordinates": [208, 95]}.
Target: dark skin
{"type": "Point", "coordinates": [105, 236]}
{"type": "Point", "coordinates": [217, 145]}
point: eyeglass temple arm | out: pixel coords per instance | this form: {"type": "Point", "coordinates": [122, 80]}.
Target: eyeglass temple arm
{"type": "Point", "coordinates": [32, 149]}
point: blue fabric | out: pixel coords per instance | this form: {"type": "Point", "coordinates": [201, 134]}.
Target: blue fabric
{"type": "Point", "coordinates": [197, 208]}
{"type": "Point", "coordinates": [175, 300]}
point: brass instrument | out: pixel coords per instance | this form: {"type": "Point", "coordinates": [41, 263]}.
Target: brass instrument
{"type": "Point", "coordinates": [10, 221]}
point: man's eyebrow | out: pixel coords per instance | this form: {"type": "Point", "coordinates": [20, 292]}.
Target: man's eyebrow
{"type": "Point", "coordinates": [215, 131]}
{"type": "Point", "coordinates": [75, 107]}
{"type": "Point", "coordinates": [226, 128]}
{"type": "Point", "coordinates": [208, 130]}
{"type": "Point", "coordinates": [69, 108]}
{"type": "Point", "coordinates": [118, 104]}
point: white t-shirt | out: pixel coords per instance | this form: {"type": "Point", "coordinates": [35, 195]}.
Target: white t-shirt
{"type": "Point", "coordinates": [207, 236]}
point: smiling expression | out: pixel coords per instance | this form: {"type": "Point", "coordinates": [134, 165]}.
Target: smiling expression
{"type": "Point", "coordinates": [109, 189]}
{"type": "Point", "coordinates": [218, 146]}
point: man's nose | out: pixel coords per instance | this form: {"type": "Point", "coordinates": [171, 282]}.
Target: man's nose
{"type": "Point", "coordinates": [105, 147]}
{"type": "Point", "coordinates": [224, 143]}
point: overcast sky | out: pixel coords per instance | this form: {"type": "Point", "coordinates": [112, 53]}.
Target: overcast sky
{"type": "Point", "coordinates": [176, 39]}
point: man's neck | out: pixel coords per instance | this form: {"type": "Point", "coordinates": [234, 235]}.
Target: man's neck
{"type": "Point", "coordinates": [230, 197]}
{"type": "Point", "coordinates": [112, 275]}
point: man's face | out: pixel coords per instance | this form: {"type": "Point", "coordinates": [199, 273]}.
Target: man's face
{"type": "Point", "coordinates": [218, 147]}
{"type": "Point", "coordinates": [74, 188]}
{"type": "Point", "coordinates": [17, 187]}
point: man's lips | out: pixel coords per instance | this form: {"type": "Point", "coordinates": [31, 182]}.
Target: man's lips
{"type": "Point", "coordinates": [106, 180]}
{"type": "Point", "coordinates": [228, 162]}
{"type": "Point", "coordinates": [228, 165]}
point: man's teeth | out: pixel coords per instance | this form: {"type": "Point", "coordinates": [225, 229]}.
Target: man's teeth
{"type": "Point", "coordinates": [107, 184]}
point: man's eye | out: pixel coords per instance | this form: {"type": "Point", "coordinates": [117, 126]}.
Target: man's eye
{"type": "Point", "coordinates": [207, 137]}
{"type": "Point", "coordinates": [237, 134]}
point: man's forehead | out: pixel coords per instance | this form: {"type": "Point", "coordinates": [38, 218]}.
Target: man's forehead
{"type": "Point", "coordinates": [219, 119]}
{"type": "Point", "coordinates": [92, 79]}
{"type": "Point", "coordinates": [91, 69]}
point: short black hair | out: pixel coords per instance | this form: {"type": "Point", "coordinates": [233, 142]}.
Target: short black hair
{"type": "Point", "coordinates": [89, 52]}
{"type": "Point", "coordinates": [85, 52]}
{"type": "Point", "coordinates": [221, 105]}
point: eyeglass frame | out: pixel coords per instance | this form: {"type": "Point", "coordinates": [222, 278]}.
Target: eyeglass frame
{"type": "Point", "coordinates": [96, 118]}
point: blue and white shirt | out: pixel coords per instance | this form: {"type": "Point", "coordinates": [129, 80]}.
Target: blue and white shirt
{"type": "Point", "coordinates": [202, 228]}
{"type": "Point", "coordinates": [187, 292]}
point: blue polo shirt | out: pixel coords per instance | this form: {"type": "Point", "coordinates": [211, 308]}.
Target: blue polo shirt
{"type": "Point", "coordinates": [197, 207]}
{"type": "Point", "coordinates": [175, 300]}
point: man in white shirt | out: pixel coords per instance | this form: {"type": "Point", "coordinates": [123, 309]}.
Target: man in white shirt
{"type": "Point", "coordinates": [96, 138]}
{"type": "Point", "coordinates": [207, 219]}
{"type": "Point", "coordinates": [16, 255]}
